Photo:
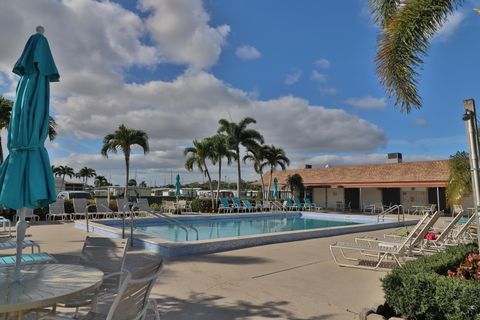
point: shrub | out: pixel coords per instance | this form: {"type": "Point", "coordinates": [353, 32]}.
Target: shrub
{"type": "Point", "coordinates": [421, 289]}
{"type": "Point", "coordinates": [156, 206]}
{"type": "Point", "coordinates": [201, 205]}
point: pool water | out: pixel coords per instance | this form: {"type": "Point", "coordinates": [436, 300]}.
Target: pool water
{"type": "Point", "coordinates": [233, 227]}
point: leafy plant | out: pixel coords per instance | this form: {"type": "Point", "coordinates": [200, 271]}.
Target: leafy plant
{"type": "Point", "coordinates": [418, 289]}
{"type": "Point", "coordinates": [201, 205]}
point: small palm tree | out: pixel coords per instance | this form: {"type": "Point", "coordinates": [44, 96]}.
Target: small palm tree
{"type": "Point", "coordinates": [407, 27]}
{"type": "Point", "coordinates": [295, 184]}
{"type": "Point", "coordinates": [86, 173]}
{"type": "Point", "coordinates": [275, 157]}
{"type": "Point", "coordinates": [257, 156]}
{"type": "Point", "coordinates": [63, 171]}
{"type": "Point", "coordinates": [220, 150]}
{"type": "Point", "coordinates": [239, 135]}
{"type": "Point", "coordinates": [124, 138]}
{"type": "Point", "coordinates": [197, 156]}
{"type": "Point", "coordinates": [460, 180]}
{"type": "Point", "coordinates": [101, 181]}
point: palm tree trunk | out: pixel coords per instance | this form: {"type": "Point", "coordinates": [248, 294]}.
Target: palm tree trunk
{"type": "Point", "coordinates": [219, 179]}
{"type": "Point", "coordinates": [211, 186]}
{"type": "Point", "coordinates": [270, 184]}
{"type": "Point", "coordinates": [239, 173]}
{"type": "Point", "coordinates": [263, 185]}
{"type": "Point", "coordinates": [1, 151]}
{"type": "Point", "coordinates": [63, 182]}
{"type": "Point", "coordinates": [127, 166]}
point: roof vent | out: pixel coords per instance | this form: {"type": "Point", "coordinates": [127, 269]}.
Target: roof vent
{"type": "Point", "coordinates": [308, 166]}
{"type": "Point", "coordinates": [394, 157]}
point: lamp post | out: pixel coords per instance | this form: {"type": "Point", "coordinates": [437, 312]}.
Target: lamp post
{"type": "Point", "coordinates": [470, 118]}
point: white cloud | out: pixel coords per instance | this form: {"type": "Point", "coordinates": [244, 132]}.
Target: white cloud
{"type": "Point", "coordinates": [328, 91]}
{"type": "Point", "coordinates": [367, 103]}
{"type": "Point", "coordinates": [420, 122]}
{"type": "Point", "coordinates": [248, 53]}
{"type": "Point", "coordinates": [182, 32]}
{"type": "Point", "coordinates": [450, 26]}
{"type": "Point", "coordinates": [323, 63]}
{"type": "Point", "coordinates": [317, 76]}
{"type": "Point", "coordinates": [93, 97]}
{"type": "Point", "coordinates": [293, 77]}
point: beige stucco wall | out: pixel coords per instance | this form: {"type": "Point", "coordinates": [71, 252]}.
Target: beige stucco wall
{"type": "Point", "coordinates": [333, 195]}
{"type": "Point", "coordinates": [370, 196]}
{"type": "Point", "coordinates": [318, 195]}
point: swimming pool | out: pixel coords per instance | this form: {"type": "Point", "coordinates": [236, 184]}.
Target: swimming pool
{"type": "Point", "coordinates": [226, 232]}
{"type": "Point", "coordinates": [227, 227]}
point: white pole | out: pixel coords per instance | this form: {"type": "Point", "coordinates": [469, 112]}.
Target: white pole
{"type": "Point", "coordinates": [470, 119]}
{"type": "Point", "coordinates": [21, 229]}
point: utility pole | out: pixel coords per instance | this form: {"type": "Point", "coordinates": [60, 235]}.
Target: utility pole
{"type": "Point", "coordinates": [470, 118]}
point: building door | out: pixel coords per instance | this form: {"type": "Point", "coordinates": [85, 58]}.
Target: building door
{"type": "Point", "coordinates": [391, 196]}
{"type": "Point", "coordinates": [432, 197]}
{"type": "Point", "coordinates": [352, 196]}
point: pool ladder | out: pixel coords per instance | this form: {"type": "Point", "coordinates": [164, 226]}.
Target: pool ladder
{"type": "Point", "coordinates": [131, 206]}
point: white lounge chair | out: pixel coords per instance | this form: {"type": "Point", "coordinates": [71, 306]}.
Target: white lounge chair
{"type": "Point", "coordinates": [57, 210]}
{"type": "Point", "coordinates": [107, 255]}
{"type": "Point", "coordinates": [28, 215]}
{"type": "Point", "coordinates": [130, 303]}
{"type": "Point", "coordinates": [103, 208]}
{"type": "Point", "coordinates": [5, 245]}
{"type": "Point", "coordinates": [80, 208]}
{"type": "Point", "coordinates": [382, 250]}
{"type": "Point", "coordinates": [123, 208]}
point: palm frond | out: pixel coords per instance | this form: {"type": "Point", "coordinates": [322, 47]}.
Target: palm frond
{"type": "Point", "coordinates": [403, 44]}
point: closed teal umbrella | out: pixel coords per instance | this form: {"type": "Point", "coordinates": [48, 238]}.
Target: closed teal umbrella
{"type": "Point", "coordinates": [178, 185]}
{"type": "Point", "coordinates": [275, 188]}
{"type": "Point", "coordinates": [26, 179]}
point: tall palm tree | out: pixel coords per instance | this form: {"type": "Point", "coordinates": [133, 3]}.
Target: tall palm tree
{"type": "Point", "coordinates": [86, 173]}
{"type": "Point", "coordinates": [257, 156]}
{"type": "Point", "coordinates": [124, 138]}
{"type": "Point", "coordinates": [197, 156]}
{"type": "Point", "coordinates": [239, 135]}
{"type": "Point", "coordinates": [407, 27]}
{"type": "Point", "coordinates": [101, 181]}
{"type": "Point", "coordinates": [220, 150]}
{"type": "Point", "coordinates": [5, 114]}
{"type": "Point", "coordinates": [459, 182]}
{"type": "Point", "coordinates": [275, 157]}
{"type": "Point", "coordinates": [63, 171]}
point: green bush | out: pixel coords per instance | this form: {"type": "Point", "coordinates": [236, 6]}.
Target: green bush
{"type": "Point", "coordinates": [201, 205]}
{"type": "Point", "coordinates": [421, 290]}
{"type": "Point", "coordinates": [156, 206]}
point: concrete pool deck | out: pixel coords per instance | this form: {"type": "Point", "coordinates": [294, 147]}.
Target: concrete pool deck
{"type": "Point", "coordinates": [292, 280]}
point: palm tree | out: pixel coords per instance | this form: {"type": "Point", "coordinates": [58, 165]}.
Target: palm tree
{"type": "Point", "coordinates": [63, 171]}
{"type": "Point", "coordinates": [5, 111]}
{"type": "Point", "coordinates": [407, 27]}
{"type": "Point", "coordinates": [86, 173]}
{"type": "Point", "coordinates": [459, 181]}
{"type": "Point", "coordinates": [124, 138]}
{"type": "Point", "coordinates": [295, 184]}
{"type": "Point", "coordinates": [237, 135]}
{"type": "Point", "coordinates": [5, 114]}
{"type": "Point", "coordinates": [275, 157]}
{"type": "Point", "coordinates": [197, 156]}
{"type": "Point", "coordinates": [101, 181]}
{"type": "Point", "coordinates": [220, 150]}
{"type": "Point", "coordinates": [257, 156]}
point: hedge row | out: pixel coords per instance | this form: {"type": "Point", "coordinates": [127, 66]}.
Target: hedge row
{"type": "Point", "coordinates": [421, 290]}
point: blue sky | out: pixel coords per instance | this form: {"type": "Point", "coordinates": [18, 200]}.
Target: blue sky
{"type": "Point", "coordinates": [304, 69]}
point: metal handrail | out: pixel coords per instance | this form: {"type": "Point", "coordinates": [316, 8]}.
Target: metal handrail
{"type": "Point", "coordinates": [160, 215]}
{"type": "Point", "coordinates": [86, 215]}
{"type": "Point", "coordinates": [391, 209]}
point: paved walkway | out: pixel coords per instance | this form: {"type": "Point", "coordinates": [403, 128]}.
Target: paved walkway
{"type": "Point", "coordinates": [296, 280]}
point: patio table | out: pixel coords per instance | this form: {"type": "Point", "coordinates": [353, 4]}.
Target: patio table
{"type": "Point", "coordinates": [419, 209]}
{"type": "Point", "coordinates": [44, 285]}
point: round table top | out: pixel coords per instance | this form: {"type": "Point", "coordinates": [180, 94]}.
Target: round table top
{"type": "Point", "coordinates": [45, 284]}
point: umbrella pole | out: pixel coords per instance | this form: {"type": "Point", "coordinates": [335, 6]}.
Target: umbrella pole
{"type": "Point", "coordinates": [21, 228]}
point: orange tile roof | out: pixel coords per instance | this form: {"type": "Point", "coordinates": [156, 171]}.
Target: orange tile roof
{"type": "Point", "coordinates": [407, 174]}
